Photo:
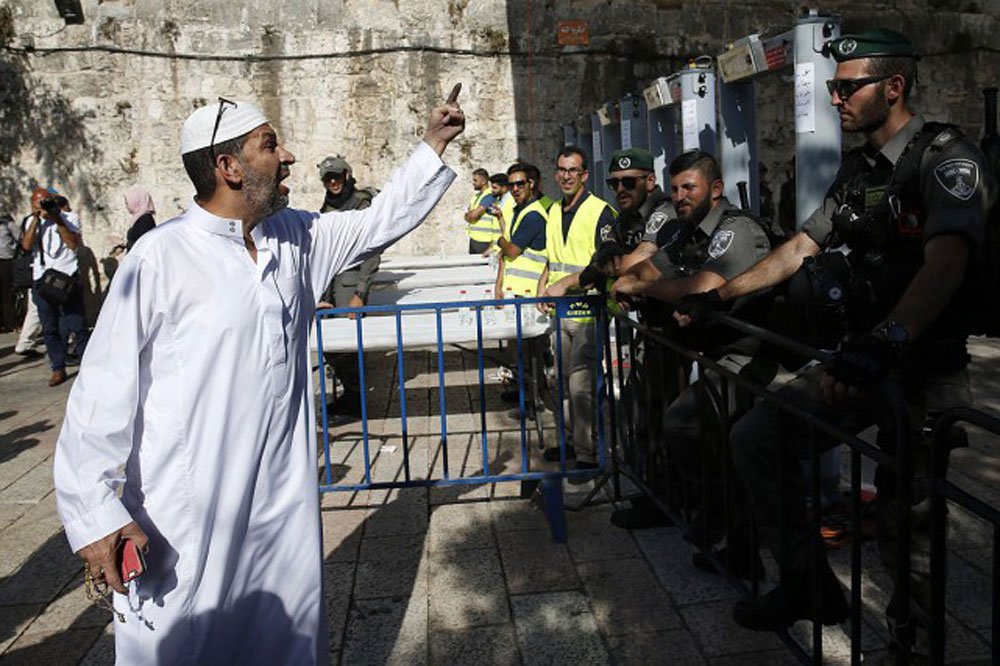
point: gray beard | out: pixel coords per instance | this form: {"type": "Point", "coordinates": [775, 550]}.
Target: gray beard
{"type": "Point", "coordinates": [262, 195]}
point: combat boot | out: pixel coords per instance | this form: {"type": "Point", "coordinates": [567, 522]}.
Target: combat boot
{"type": "Point", "coordinates": [791, 601]}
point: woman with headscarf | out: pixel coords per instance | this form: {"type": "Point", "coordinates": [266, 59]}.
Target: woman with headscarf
{"type": "Point", "coordinates": [140, 205]}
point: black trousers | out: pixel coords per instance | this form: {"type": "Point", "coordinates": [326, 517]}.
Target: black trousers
{"type": "Point", "coordinates": [7, 294]}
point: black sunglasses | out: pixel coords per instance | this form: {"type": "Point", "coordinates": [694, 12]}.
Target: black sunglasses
{"type": "Point", "coordinates": [218, 119]}
{"type": "Point", "coordinates": [628, 182]}
{"type": "Point", "coordinates": [514, 184]}
{"type": "Point", "coordinates": [847, 87]}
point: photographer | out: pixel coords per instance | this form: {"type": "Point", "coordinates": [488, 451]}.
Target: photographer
{"type": "Point", "coordinates": [56, 291]}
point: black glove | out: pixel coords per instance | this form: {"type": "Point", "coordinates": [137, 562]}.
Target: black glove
{"type": "Point", "coordinates": [865, 361]}
{"type": "Point", "coordinates": [591, 277]}
{"type": "Point", "coordinates": [606, 254]}
{"type": "Point", "coordinates": [699, 306]}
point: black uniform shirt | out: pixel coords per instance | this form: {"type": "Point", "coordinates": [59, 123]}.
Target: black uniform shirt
{"type": "Point", "coordinates": [952, 181]}
{"type": "Point", "coordinates": [951, 196]}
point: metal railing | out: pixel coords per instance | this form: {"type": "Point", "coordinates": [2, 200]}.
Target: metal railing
{"type": "Point", "coordinates": [519, 316]}
{"type": "Point", "coordinates": [893, 453]}
{"type": "Point", "coordinates": [621, 454]}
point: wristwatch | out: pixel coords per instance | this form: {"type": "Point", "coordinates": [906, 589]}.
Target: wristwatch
{"type": "Point", "coordinates": [894, 333]}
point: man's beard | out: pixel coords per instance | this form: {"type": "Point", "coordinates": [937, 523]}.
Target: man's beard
{"type": "Point", "coordinates": [698, 212]}
{"type": "Point", "coordinates": [262, 193]}
{"type": "Point", "coordinates": [868, 117]}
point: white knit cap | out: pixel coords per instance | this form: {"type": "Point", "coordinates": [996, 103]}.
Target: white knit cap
{"type": "Point", "coordinates": [238, 118]}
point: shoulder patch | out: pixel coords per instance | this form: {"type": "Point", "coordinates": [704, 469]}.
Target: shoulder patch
{"type": "Point", "coordinates": [656, 221]}
{"type": "Point", "coordinates": [720, 243]}
{"type": "Point", "coordinates": [606, 232]}
{"type": "Point", "coordinates": [959, 177]}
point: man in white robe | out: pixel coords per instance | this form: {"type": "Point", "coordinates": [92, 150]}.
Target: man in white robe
{"type": "Point", "coordinates": [191, 422]}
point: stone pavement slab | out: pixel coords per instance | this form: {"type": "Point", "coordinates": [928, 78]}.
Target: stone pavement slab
{"type": "Point", "coordinates": [718, 634]}
{"type": "Point", "coordinates": [655, 648]}
{"type": "Point", "coordinates": [557, 628]}
{"type": "Point", "coordinates": [475, 646]}
{"type": "Point", "coordinates": [626, 598]}
{"type": "Point", "coordinates": [466, 589]}
{"type": "Point", "coordinates": [532, 562]}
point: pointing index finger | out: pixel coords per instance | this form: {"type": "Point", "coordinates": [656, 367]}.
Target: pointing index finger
{"type": "Point", "coordinates": [453, 95]}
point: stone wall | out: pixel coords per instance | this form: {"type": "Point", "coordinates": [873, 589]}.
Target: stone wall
{"type": "Point", "coordinates": [347, 76]}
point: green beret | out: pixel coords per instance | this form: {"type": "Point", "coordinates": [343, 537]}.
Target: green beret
{"type": "Point", "coordinates": [871, 44]}
{"type": "Point", "coordinates": [631, 158]}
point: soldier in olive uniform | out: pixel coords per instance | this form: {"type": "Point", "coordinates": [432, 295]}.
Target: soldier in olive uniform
{"type": "Point", "coordinates": [350, 288]}
{"type": "Point", "coordinates": [711, 242]}
{"type": "Point", "coordinates": [910, 204]}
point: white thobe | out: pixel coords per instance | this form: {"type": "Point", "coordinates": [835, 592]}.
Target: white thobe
{"type": "Point", "coordinates": [193, 415]}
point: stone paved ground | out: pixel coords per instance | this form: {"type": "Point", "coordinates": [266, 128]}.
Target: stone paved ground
{"type": "Point", "coordinates": [467, 574]}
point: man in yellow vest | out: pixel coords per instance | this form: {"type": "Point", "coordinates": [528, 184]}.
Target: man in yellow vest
{"type": "Point", "coordinates": [481, 222]}
{"type": "Point", "coordinates": [523, 248]}
{"type": "Point", "coordinates": [577, 224]}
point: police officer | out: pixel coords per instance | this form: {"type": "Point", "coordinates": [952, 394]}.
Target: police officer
{"type": "Point", "coordinates": [910, 205]}
{"type": "Point", "coordinates": [644, 211]}
{"type": "Point", "coordinates": [482, 225]}
{"type": "Point", "coordinates": [577, 224]}
{"type": "Point", "coordinates": [710, 242]}
{"type": "Point", "coordinates": [350, 288]}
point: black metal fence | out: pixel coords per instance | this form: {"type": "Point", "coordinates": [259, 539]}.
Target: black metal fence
{"type": "Point", "coordinates": [643, 456]}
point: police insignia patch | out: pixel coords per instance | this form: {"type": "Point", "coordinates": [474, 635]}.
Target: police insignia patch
{"type": "Point", "coordinates": [656, 220]}
{"type": "Point", "coordinates": [720, 243]}
{"type": "Point", "coordinates": [959, 177]}
{"type": "Point", "coordinates": [606, 232]}
{"type": "Point", "coordinates": [847, 47]}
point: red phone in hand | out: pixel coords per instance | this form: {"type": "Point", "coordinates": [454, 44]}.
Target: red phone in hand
{"type": "Point", "coordinates": [131, 562]}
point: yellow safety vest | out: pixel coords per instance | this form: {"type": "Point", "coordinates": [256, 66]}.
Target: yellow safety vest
{"type": "Point", "coordinates": [487, 227]}
{"type": "Point", "coordinates": [521, 274]}
{"type": "Point", "coordinates": [546, 201]}
{"type": "Point", "coordinates": [572, 253]}
{"type": "Point", "coordinates": [507, 210]}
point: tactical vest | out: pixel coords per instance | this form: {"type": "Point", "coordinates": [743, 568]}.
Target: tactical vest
{"type": "Point", "coordinates": [881, 218]}
{"type": "Point", "coordinates": [486, 228]}
{"type": "Point", "coordinates": [521, 274]}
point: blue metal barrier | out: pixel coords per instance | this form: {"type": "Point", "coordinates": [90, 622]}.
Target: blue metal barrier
{"type": "Point", "coordinates": [550, 479]}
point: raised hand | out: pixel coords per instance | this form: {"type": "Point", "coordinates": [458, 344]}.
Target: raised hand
{"type": "Point", "coordinates": [446, 122]}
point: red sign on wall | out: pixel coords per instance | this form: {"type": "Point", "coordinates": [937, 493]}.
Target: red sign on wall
{"type": "Point", "coordinates": [573, 33]}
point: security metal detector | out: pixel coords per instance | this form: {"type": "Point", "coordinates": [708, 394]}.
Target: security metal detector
{"type": "Point", "coordinates": [570, 135]}
{"type": "Point", "coordinates": [609, 116]}
{"type": "Point", "coordinates": [680, 114]}
{"type": "Point", "coordinates": [817, 128]}
{"type": "Point", "coordinates": [635, 133]}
